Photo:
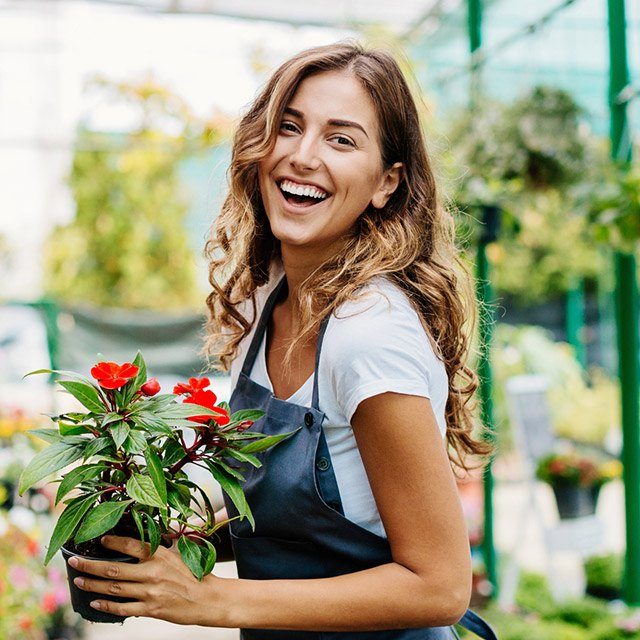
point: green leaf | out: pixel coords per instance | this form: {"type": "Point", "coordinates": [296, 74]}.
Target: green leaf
{"type": "Point", "coordinates": [77, 475]}
{"type": "Point", "coordinates": [191, 555]}
{"type": "Point", "coordinates": [110, 417]}
{"type": "Point", "coordinates": [72, 429]}
{"type": "Point", "coordinates": [152, 424]}
{"type": "Point", "coordinates": [230, 470]}
{"type": "Point", "coordinates": [243, 457]}
{"type": "Point", "coordinates": [98, 445]}
{"type": "Point", "coordinates": [209, 555]}
{"type": "Point", "coordinates": [52, 459]}
{"type": "Point", "coordinates": [67, 523]}
{"type": "Point", "coordinates": [48, 435]}
{"type": "Point", "coordinates": [154, 469]}
{"type": "Point", "coordinates": [100, 519]}
{"type": "Point", "coordinates": [119, 432]}
{"type": "Point", "coordinates": [173, 451]}
{"type": "Point", "coordinates": [232, 488]}
{"type": "Point", "coordinates": [154, 533]}
{"type": "Point", "coordinates": [266, 443]}
{"type": "Point", "coordinates": [247, 414]}
{"type": "Point", "coordinates": [143, 491]}
{"type": "Point", "coordinates": [135, 442]}
{"type": "Point", "coordinates": [137, 518]}
{"type": "Point", "coordinates": [85, 393]}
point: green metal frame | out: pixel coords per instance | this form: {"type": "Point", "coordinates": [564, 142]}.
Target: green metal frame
{"type": "Point", "coordinates": [626, 295]}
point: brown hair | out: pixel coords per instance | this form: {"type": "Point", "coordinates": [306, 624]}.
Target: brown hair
{"type": "Point", "coordinates": [410, 241]}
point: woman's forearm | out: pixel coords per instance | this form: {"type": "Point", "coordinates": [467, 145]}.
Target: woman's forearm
{"type": "Point", "coordinates": [389, 596]}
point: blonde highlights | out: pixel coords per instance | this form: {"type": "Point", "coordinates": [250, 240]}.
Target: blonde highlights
{"type": "Point", "coordinates": [410, 241]}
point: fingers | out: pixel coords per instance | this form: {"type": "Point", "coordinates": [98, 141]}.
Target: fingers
{"type": "Point", "coordinates": [126, 609]}
{"type": "Point", "coordinates": [114, 570]}
{"type": "Point", "coordinates": [130, 546]}
{"type": "Point", "coordinates": [113, 588]}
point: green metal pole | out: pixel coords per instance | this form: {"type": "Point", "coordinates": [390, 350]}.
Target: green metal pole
{"type": "Point", "coordinates": [485, 297]}
{"type": "Point", "coordinates": [626, 315]}
{"type": "Point", "coordinates": [575, 321]}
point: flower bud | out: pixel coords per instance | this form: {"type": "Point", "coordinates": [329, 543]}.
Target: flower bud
{"type": "Point", "coordinates": [150, 387]}
{"type": "Point", "coordinates": [244, 425]}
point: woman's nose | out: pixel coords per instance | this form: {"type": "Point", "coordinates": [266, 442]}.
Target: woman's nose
{"type": "Point", "coordinates": [305, 155]}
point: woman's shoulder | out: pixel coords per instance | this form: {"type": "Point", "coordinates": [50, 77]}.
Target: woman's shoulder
{"type": "Point", "coordinates": [381, 317]}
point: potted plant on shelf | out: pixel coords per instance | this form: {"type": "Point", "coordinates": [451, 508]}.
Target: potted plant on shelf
{"type": "Point", "coordinates": [132, 445]}
{"type": "Point", "coordinates": [604, 576]}
{"type": "Point", "coordinates": [576, 480]}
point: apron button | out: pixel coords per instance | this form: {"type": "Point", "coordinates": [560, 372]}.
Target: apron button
{"type": "Point", "coordinates": [308, 419]}
{"type": "Point", "coordinates": [322, 464]}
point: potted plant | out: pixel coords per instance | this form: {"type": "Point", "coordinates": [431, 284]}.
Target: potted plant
{"type": "Point", "coordinates": [604, 576]}
{"type": "Point", "coordinates": [132, 444]}
{"type": "Point", "coordinates": [576, 480]}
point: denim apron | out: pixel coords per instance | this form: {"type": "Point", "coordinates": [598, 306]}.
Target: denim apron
{"type": "Point", "coordinates": [300, 528]}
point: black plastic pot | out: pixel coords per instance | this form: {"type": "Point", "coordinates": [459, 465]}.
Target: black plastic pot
{"type": "Point", "coordinates": [80, 599]}
{"type": "Point", "coordinates": [574, 501]}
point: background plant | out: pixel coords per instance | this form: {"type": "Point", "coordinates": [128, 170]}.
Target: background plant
{"type": "Point", "coordinates": [128, 245]}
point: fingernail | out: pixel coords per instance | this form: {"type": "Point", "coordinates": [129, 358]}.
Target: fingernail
{"type": "Point", "coordinates": [95, 604]}
{"type": "Point", "coordinates": [73, 561]}
{"type": "Point", "coordinates": [79, 581]}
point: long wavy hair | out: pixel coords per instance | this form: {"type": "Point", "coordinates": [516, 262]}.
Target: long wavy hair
{"type": "Point", "coordinates": [410, 241]}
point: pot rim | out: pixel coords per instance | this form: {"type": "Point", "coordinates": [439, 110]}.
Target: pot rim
{"type": "Point", "coordinates": [118, 558]}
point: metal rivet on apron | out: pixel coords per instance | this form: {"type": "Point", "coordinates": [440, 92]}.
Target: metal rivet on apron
{"type": "Point", "coordinates": [322, 464]}
{"type": "Point", "coordinates": [308, 419]}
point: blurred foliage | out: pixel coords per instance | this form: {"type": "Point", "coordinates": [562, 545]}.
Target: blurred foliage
{"type": "Point", "coordinates": [544, 248]}
{"type": "Point", "coordinates": [525, 157]}
{"type": "Point", "coordinates": [536, 616]}
{"type": "Point", "coordinates": [584, 406]}
{"type": "Point", "coordinates": [604, 573]}
{"type": "Point", "coordinates": [609, 199]}
{"type": "Point", "coordinates": [128, 246]}
{"type": "Point", "coordinates": [536, 142]}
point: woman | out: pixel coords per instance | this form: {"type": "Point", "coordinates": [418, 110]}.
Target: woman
{"type": "Point", "coordinates": [337, 301]}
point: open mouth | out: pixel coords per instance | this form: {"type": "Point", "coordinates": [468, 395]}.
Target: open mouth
{"type": "Point", "coordinates": [300, 195]}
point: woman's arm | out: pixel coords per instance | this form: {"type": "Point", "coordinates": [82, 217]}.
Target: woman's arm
{"type": "Point", "coordinates": [427, 584]}
{"type": "Point", "coordinates": [429, 581]}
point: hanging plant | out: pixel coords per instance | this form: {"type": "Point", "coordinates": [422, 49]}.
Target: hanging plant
{"type": "Point", "coordinates": [537, 142]}
{"type": "Point", "coordinates": [610, 202]}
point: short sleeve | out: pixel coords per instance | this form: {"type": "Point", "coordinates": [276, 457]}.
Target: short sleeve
{"type": "Point", "coordinates": [379, 345]}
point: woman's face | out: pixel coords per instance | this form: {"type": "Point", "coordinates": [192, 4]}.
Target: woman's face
{"type": "Point", "coordinates": [326, 166]}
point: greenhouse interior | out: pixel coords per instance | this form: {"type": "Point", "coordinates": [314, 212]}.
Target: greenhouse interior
{"type": "Point", "coordinates": [116, 136]}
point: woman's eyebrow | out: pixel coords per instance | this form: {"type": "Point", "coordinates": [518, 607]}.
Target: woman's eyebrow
{"type": "Point", "coordinates": [333, 122]}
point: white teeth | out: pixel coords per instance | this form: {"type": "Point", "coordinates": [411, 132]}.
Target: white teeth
{"type": "Point", "coordinates": [301, 190]}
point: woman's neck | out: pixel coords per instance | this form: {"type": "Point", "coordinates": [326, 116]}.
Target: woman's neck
{"type": "Point", "coordinates": [299, 263]}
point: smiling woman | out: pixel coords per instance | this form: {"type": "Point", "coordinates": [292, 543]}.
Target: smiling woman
{"type": "Point", "coordinates": [338, 301]}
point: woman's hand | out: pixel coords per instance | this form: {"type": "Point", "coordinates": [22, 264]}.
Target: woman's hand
{"type": "Point", "coordinates": [162, 585]}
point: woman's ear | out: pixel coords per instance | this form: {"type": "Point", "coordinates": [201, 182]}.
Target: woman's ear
{"type": "Point", "coordinates": [388, 184]}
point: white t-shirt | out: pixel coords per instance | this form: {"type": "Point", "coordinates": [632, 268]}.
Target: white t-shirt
{"type": "Point", "coordinates": [372, 345]}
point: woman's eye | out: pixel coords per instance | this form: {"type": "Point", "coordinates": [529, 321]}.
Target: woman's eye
{"type": "Point", "coordinates": [288, 126]}
{"type": "Point", "coordinates": [343, 141]}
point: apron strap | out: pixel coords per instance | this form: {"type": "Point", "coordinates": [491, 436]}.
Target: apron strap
{"type": "Point", "coordinates": [261, 327]}
{"type": "Point", "coordinates": [474, 623]}
{"type": "Point", "coordinates": [254, 347]}
{"type": "Point", "coordinates": [315, 398]}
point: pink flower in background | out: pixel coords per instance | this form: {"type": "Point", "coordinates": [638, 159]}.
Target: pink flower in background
{"type": "Point", "coordinates": [19, 576]}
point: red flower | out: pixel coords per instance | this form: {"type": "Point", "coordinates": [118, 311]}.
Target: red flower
{"type": "Point", "coordinates": [207, 399]}
{"type": "Point", "coordinates": [195, 384]}
{"type": "Point", "coordinates": [150, 387]}
{"type": "Point", "coordinates": [49, 603]}
{"type": "Point", "coordinates": [113, 376]}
